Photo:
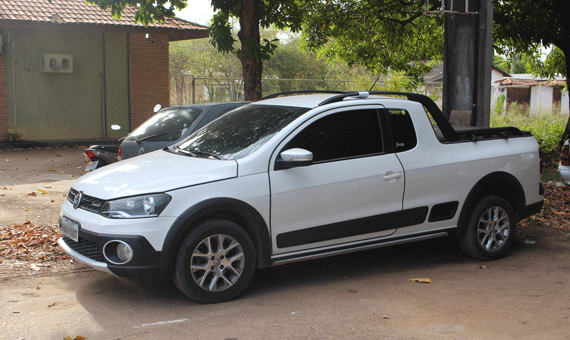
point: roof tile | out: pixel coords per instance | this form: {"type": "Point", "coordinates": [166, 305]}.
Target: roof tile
{"type": "Point", "coordinates": [76, 11]}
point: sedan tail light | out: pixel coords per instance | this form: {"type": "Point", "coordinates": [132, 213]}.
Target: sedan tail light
{"type": "Point", "coordinates": [119, 157]}
{"type": "Point", "coordinates": [90, 155]}
{"type": "Point", "coordinates": [564, 158]}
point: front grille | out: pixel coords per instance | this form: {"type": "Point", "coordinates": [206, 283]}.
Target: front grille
{"type": "Point", "coordinates": [86, 248]}
{"type": "Point", "coordinates": [71, 195]}
{"type": "Point", "coordinates": [88, 203]}
{"type": "Point", "coordinates": [91, 204]}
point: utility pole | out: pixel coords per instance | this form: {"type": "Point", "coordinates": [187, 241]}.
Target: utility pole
{"type": "Point", "coordinates": [467, 61]}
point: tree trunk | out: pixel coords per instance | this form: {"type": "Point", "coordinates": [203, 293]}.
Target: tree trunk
{"type": "Point", "coordinates": [566, 134]}
{"type": "Point", "coordinates": [249, 55]}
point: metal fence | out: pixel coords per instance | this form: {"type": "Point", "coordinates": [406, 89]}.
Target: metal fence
{"type": "Point", "coordinates": [187, 89]}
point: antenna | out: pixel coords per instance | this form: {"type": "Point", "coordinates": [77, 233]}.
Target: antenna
{"type": "Point", "coordinates": [374, 83]}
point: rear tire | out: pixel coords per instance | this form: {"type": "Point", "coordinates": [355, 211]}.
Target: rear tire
{"type": "Point", "coordinates": [215, 262]}
{"type": "Point", "coordinates": [491, 229]}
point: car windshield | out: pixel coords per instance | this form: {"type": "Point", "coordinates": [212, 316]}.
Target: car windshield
{"type": "Point", "coordinates": [167, 125]}
{"type": "Point", "coordinates": [242, 131]}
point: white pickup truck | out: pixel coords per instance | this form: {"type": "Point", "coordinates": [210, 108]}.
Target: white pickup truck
{"type": "Point", "coordinates": [297, 177]}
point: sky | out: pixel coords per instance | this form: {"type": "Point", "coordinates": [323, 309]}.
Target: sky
{"type": "Point", "coordinates": [197, 11]}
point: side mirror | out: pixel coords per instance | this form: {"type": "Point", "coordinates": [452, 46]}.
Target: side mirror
{"type": "Point", "coordinates": [115, 127]}
{"type": "Point", "coordinates": [157, 108]}
{"type": "Point", "coordinates": [293, 158]}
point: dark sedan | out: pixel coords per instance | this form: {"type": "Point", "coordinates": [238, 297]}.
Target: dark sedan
{"type": "Point", "coordinates": [170, 125]}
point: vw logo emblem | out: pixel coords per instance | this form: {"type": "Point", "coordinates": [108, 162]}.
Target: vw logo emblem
{"type": "Point", "coordinates": [141, 150]}
{"type": "Point", "coordinates": [77, 200]}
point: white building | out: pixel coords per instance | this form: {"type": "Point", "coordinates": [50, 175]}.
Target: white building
{"type": "Point", "coordinates": [540, 95]}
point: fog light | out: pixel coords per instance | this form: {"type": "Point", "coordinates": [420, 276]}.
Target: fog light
{"type": "Point", "coordinates": [124, 252]}
{"type": "Point", "coordinates": [117, 252]}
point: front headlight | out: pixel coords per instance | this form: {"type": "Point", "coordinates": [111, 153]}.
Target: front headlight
{"type": "Point", "coordinates": [136, 207]}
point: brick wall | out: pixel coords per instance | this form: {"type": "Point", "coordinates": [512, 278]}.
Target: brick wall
{"type": "Point", "coordinates": [149, 75]}
{"type": "Point", "coordinates": [3, 110]}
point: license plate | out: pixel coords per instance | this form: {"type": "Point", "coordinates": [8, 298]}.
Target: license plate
{"type": "Point", "coordinates": [69, 229]}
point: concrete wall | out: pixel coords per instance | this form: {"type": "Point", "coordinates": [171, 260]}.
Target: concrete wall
{"type": "Point", "coordinates": [540, 99]}
{"type": "Point", "coordinates": [564, 104]}
{"type": "Point", "coordinates": [117, 83]}
{"type": "Point", "coordinates": [65, 106]}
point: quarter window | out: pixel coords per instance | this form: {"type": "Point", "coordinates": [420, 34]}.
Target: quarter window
{"type": "Point", "coordinates": [402, 130]}
{"type": "Point", "coordinates": [341, 135]}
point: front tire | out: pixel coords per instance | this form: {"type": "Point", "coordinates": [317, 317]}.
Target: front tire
{"type": "Point", "coordinates": [215, 262]}
{"type": "Point", "coordinates": [490, 230]}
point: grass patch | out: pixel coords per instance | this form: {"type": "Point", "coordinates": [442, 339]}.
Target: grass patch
{"type": "Point", "coordinates": [546, 127]}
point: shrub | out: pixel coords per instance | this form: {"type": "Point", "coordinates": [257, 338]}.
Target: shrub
{"type": "Point", "coordinates": [547, 128]}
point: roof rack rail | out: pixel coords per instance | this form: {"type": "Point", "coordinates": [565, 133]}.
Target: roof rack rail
{"type": "Point", "coordinates": [290, 93]}
{"type": "Point", "coordinates": [343, 95]}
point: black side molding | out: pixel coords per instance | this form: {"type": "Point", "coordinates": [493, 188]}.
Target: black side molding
{"type": "Point", "coordinates": [361, 226]}
{"type": "Point", "coordinates": [443, 211]}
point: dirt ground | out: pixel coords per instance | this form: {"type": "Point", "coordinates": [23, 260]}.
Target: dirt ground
{"type": "Point", "coordinates": [34, 183]}
{"type": "Point", "coordinates": [366, 295]}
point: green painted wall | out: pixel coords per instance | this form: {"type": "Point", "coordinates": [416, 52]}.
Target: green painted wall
{"type": "Point", "coordinates": [66, 106]}
{"type": "Point", "coordinates": [116, 71]}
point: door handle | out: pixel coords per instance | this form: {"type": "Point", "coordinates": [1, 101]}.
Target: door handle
{"type": "Point", "coordinates": [390, 176]}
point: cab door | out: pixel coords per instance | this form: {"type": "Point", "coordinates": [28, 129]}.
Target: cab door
{"type": "Point", "coordinates": [352, 191]}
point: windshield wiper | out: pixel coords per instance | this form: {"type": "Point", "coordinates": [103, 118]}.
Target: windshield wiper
{"type": "Point", "coordinates": [186, 152]}
{"type": "Point", "coordinates": [150, 137]}
{"type": "Point", "coordinates": [198, 153]}
{"type": "Point", "coordinates": [207, 154]}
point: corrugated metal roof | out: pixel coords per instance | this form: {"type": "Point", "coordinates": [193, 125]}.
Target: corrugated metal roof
{"type": "Point", "coordinates": [77, 12]}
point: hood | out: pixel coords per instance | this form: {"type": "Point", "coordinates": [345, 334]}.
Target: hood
{"type": "Point", "coordinates": [158, 171]}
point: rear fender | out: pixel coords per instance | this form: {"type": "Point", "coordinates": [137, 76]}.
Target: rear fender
{"type": "Point", "coordinates": [500, 184]}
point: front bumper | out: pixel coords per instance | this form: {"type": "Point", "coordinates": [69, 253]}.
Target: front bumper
{"type": "Point", "coordinates": [83, 259]}
{"type": "Point", "coordinates": [89, 250]}
{"type": "Point", "coordinates": [145, 237]}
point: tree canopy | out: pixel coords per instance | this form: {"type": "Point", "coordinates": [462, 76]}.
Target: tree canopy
{"type": "Point", "coordinates": [251, 14]}
{"type": "Point", "coordinates": [521, 26]}
{"type": "Point", "coordinates": [382, 35]}
{"type": "Point", "coordinates": [388, 34]}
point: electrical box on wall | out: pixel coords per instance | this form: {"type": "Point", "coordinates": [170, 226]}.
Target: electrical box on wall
{"type": "Point", "coordinates": [56, 63]}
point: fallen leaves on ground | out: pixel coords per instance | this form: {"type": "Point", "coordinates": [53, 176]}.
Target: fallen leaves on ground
{"type": "Point", "coordinates": [28, 242]}
{"type": "Point", "coordinates": [424, 280]}
{"type": "Point", "coordinates": [39, 191]}
{"type": "Point", "coordinates": [556, 210]}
